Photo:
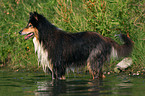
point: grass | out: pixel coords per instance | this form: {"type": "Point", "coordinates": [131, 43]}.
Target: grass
{"type": "Point", "coordinates": [107, 17]}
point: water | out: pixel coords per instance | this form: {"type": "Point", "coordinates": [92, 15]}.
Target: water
{"type": "Point", "coordinates": [39, 84]}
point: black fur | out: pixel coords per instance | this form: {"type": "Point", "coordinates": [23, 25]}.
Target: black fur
{"type": "Point", "coordinates": [76, 49]}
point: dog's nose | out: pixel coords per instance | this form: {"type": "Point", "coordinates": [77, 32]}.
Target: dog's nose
{"type": "Point", "coordinates": [20, 32]}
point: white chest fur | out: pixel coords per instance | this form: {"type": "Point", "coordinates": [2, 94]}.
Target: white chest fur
{"type": "Point", "coordinates": [42, 55]}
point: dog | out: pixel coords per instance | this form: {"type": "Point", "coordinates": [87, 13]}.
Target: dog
{"type": "Point", "coordinates": [58, 50]}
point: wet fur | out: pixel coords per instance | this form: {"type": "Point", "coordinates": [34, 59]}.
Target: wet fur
{"type": "Point", "coordinates": [58, 49]}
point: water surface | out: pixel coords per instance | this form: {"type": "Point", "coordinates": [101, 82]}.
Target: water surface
{"type": "Point", "coordinates": [39, 84]}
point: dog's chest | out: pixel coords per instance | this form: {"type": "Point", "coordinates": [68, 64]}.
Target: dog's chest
{"type": "Point", "coordinates": [42, 55]}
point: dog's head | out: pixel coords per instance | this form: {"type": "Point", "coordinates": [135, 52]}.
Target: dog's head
{"type": "Point", "coordinates": [31, 29]}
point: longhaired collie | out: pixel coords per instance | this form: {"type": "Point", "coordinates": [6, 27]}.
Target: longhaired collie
{"type": "Point", "coordinates": [58, 50]}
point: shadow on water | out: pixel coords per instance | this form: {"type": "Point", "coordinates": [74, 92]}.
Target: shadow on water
{"type": "Point", "coordinates": [39, 84]}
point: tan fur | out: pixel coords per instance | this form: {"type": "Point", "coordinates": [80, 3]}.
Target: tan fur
{"type": "Point", "coordinates": [30, 29]}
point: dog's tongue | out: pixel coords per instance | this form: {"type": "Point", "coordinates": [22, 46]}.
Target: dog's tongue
{"type": "Point", "coordinates": [28, 36]}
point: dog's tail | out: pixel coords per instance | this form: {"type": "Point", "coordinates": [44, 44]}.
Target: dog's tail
{"type": "Point", "coordinates": [121, 50]}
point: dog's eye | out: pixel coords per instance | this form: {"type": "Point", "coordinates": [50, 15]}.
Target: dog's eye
{"type": "Point", "coordinates": [30, 25]}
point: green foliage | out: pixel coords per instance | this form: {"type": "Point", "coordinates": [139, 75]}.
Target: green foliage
{"type": "Point", "coordinates": [107, 17]}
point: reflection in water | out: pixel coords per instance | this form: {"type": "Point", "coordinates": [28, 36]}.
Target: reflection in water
{"type": "Point", "coordinates": [70, 87]}
{"type": "Point", "coordinates": [86, 87]}
{"type": "Point", "coordinates": [54, 88]}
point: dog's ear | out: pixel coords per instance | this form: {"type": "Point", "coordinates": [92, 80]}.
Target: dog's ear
{"type": "Point", "coordinates": [36, 15]}
{"type": "Point", "coordinates": [30, 15]}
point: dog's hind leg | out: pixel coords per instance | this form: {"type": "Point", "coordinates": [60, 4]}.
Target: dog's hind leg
{"type": "Point", "coordinates": [99, 63]}
{"type": "Point", "coordinates": [90, 69]}
{"type": "Point", "coordinates": [95, 68]}
{"type": "Point", "coordinates": [95, 63]}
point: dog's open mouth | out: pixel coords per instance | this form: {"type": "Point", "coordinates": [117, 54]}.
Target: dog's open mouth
{"type": "Point", "coordinates": [30, 35]}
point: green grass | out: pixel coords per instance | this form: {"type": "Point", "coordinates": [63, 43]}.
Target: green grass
{"type": "Point", "coordinates": [108, 17]}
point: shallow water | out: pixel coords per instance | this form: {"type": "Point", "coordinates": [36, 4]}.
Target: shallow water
{"type": "Point", "coordinates": [39, 84]}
